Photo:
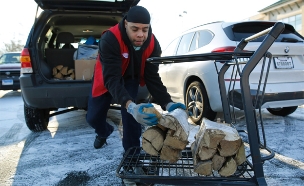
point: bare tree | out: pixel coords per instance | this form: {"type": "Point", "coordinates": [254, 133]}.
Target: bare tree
{"type": "Point", "coordinates": [13, 46]}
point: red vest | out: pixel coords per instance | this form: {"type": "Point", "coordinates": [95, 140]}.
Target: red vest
{"type": "Point", "coordinates": [98, 84]}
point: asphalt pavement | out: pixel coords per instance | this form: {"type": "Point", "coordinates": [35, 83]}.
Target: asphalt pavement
{"type": "Point", "coordinates": [64, 153]}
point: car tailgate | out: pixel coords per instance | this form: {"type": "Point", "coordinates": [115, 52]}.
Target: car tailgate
{"type": "Point", "coordinates": [287, 63]}
{"type": "Point", "coordinates": [95, 5]}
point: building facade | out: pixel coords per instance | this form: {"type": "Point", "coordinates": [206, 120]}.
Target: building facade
{"type": "Point", "coordinates": [287, 11]}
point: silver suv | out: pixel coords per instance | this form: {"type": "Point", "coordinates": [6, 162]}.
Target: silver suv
{"type": "Point", "coordinates": [196, 83]}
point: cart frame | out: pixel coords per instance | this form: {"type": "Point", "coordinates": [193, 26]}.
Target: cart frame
{"type": "Point", "coordinates": [249, 173]}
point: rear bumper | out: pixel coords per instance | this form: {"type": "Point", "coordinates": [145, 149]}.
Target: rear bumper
{"type": "Point", "coordinates": [60, 94]}
{"type": "Point", "coordinates": [14, 86]}
{"type": "Point", "coordinates": [270, 100]}
{"type": "Point", "coordinates": [54, 95]}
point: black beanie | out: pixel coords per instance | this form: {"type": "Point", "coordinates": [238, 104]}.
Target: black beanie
{"type": "Point", "coordinates": [138, 14]}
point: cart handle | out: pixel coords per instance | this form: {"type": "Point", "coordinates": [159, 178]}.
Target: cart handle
{"type": "Point", "coordinates": [257, 35]}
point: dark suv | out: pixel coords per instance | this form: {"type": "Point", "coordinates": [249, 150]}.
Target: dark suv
{"type": "Point", "coordinates": [55, 36]}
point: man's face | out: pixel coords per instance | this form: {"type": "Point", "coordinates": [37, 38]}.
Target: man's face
{"type": "Point", "coordinates": [137, 32]}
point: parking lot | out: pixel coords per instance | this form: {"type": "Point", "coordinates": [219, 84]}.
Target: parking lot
{"type": "Point", "coordinates": [64, 153]}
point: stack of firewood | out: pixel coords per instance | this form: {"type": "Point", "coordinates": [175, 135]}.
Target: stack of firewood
{"type": "Point", "coordinates": [217, 147]}
{"type": "Point", "coordinates": [62, 72]}
{"type": "Point", "coordinates": [169, 137]}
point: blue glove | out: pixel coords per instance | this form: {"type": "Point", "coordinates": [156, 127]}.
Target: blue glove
{"type": "Point", "coordinates": [143, 118]}
{"type": "Point", "coordinates": [172, 106]}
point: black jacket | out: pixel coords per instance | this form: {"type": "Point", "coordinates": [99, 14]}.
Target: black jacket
{"type": "Point", "coordinates": [110, 57]}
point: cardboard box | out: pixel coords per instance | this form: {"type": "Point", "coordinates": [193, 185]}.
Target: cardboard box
{"type": "Point", "coordinates": [84, 69]}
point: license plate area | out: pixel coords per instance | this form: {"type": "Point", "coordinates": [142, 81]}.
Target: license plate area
{"type": "Point", "coordinates": [283, 62]}
{"type": "Point", "coordinates": [7, 82]}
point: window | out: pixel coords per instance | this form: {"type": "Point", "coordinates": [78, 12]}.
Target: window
{"type": "Point", "coordinates": [295, 21]}
{"type": "Point", "coordinates": [244, 30]}
{"type": "Point", "coordinates": [205, 37]}
{"type": "Point", "coordinates": [298, 23]}
{"type": "Point", "coordinates": [201, 39]}
{"type": "Point", "coordinates": [10, 58]}
{"type": "Point", "coordinates": [185, 43]}
{"type": "Point", "coordinates": [170, 50]}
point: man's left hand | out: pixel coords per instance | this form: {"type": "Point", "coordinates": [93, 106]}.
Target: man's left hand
{"type": "Point", "coordinates": [172, 106]}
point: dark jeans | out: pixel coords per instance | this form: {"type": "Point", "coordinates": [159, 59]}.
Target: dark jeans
{"type": "Point", "coordinates": [97, 113]}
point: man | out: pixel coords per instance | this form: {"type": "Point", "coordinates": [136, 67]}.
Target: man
{"type": "Point", "coordinates": [120, 68]}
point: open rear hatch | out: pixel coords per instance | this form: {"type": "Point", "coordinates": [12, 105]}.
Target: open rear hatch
{"type": "Point", "coordinates": [93, 5]}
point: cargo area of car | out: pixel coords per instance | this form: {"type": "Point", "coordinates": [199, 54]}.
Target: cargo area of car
{"type": "Point", "coordinates": [61, 30]}
{"type": "Point", "coordinates": [64, 39]}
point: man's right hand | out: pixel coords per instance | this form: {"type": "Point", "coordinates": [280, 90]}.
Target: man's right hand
{"type": "Point", "coordinates": [140, 116]}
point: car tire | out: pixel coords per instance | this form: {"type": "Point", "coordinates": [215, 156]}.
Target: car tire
{"type": "Point", "coordinates": [36, 119]}
{"type": "Point", "coordinates": [197, 103]}
{"type": "Point", "coordinates": [283, 111]}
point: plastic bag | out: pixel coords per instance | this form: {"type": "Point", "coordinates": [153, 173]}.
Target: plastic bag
{"type": "Point", "coordinates": [182, 117]}
{"type": "Point", "coordinates": [86, 52]}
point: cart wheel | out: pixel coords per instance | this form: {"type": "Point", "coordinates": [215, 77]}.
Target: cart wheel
{"type": "Point", "coordinates": [284, 111]}
{"type": "Point", "coordinates": [197, 103]}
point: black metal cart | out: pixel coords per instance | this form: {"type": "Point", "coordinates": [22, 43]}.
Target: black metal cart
{"type": "Point", "coordinates": [251, 171]}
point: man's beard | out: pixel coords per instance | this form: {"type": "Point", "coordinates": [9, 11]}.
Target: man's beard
{"type": "Point", "coordinates": [136, 43]}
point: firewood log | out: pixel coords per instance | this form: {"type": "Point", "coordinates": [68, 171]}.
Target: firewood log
{"type": "Point", "coordinates": [72, 75]}
{"type": "Point", "coordinates": [64, 71]}
{"type": "Point", "coordinates": [199, 166]}
{"type": "Point", "coordinates": [174, 140]}
{"type": "Point", "coordinates": [55, 71]}
{"type": "Point", "coordinates": [231, 143]}
{"type": "Point", "coordinates": [172, 123]}
{"type": "Point", "coordinates": [170, 154]}
{"type": "Point", "coordinates": [212, 138]}
{"type": "Point", "coordinates": [205, 153]}
{"type": "Point", "coordinates": [177, 136]}
{"type": "Point", "coordinates": [229, 167]}
{"type": "Point", "coordinates": [203, 167]}
{"type": "Point", "coordinates": [206, 141]}
{"type": "Point", "coordinates": [58, 75]}
{"type": "Point", "coordinates": [219, 143]}
{"type": "Point", "coordinates": [153, 140]}
{"type": "Point", "coordinates": [70, 71]}
{"type": "Point", "coordinates": [217, 162]}
{"type": "Point", "coordinates": [59, 67]}
{"type": "Point", "coordinates": [229, 146]}
{"type": "Point", "coordinates": [240, 156]}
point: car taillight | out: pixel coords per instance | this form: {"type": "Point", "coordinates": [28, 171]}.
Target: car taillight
{"type": "Point", "coordinates": [224, 49]}
{"type": "Point", "coordinates": [26, 64]}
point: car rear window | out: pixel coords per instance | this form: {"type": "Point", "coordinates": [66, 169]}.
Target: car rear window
{"type": "Point", "coordinates": [239, 31]}
{"type": "Point", "coordinates": [10, 58]}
